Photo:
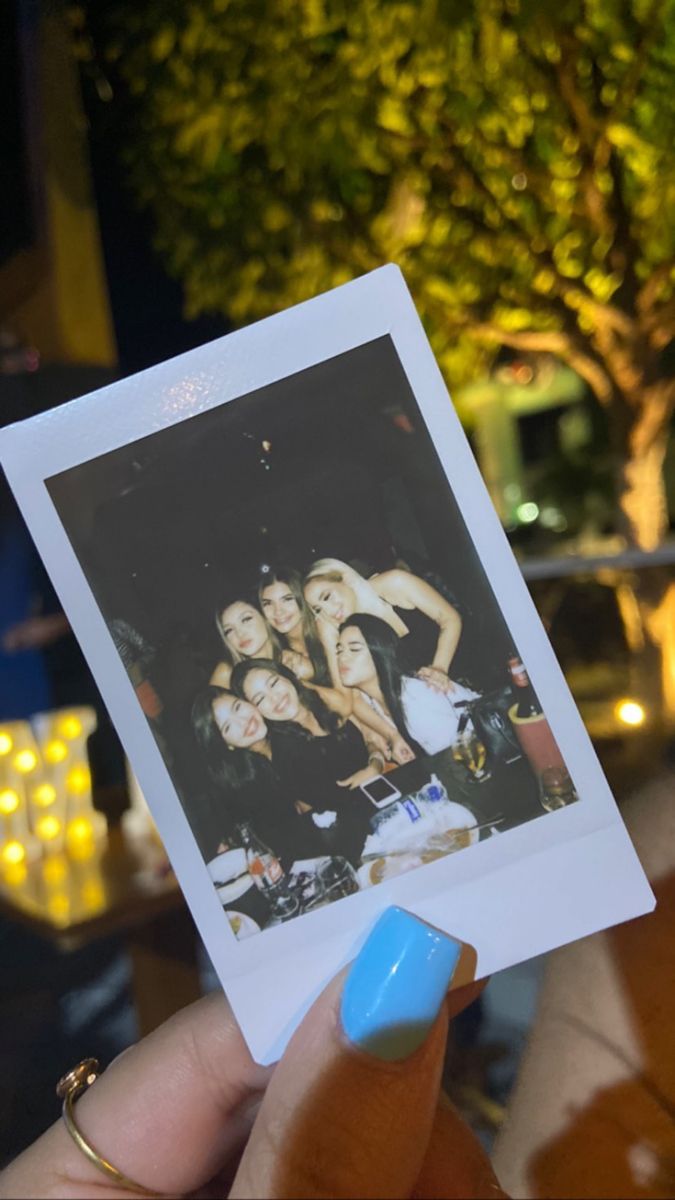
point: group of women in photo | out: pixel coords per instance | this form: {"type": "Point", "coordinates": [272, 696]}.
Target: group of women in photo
{"type": "Point", "coordinates": [325, 681]}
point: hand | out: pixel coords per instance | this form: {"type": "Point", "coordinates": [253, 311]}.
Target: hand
{"type": "Point", "coordinates": [359, 777]}
{"type": "Point", "coordinates": [299, 664]}
{"type": "Point", "coordinates": [223, 848]}
{"type": "Point", "coordinates": [351, 1110]}
{"type": "Point", "coordinates": [401, 751]}
{"type": "Point", "coordinates": [35, 632]}
{"type": "Point", "coordinates": [301, 808]}
{"type": "Point", "coordinates": [437, 679]}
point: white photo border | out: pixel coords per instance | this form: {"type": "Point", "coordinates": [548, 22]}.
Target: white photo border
{"type": "Point", "coordinates": [558, 879]}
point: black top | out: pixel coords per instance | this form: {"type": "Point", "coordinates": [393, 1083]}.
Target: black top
{"type": "Point", "coordinates": [309, 768]}
{"type": "Point", "coordinates": [418, 647]}
{"type": "Point", "coordinates": [271, 814]}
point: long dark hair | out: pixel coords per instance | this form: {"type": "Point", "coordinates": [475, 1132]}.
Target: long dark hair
{"type": "Point", "coordinates": [232, 656]}
{"type": "Point", "coordinates": [329, 721]}
{"type": "Point", "coordinates": [383, 643]}
{"type": "Point", "coordinates": [231, 770]}
{"type": "Point", "coordinates": [292, 579]}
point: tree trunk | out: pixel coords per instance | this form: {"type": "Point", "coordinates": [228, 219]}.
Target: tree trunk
{"type": "Point", "coordinates": [643, 506]}
{"type": "Point", "coordinates": [643, 430]}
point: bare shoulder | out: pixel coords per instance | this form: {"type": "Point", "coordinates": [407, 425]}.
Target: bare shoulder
{"type": "Point", "coordinates": [393, 585]}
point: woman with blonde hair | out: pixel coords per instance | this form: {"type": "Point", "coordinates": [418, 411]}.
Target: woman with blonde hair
{"type": "Point", "coordinates": [427, 625]}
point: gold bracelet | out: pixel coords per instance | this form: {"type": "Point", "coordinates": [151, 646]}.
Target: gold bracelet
{"type": "Point", "coordinates": [68, 1089]}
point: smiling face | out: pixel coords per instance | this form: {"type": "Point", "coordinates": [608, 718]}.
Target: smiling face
{"type": "Point", "coordinates": [241, 725]}
{"type": "Point", "coordinates": [244, 629]}
{"type": "Point", "coordinates": [273, 695]}
{"type": "Point", "coordinates": [331, 599]}
{"type": "Point", "coordinates": [355, 662]}
{"type": "Point", "coordinates": [280, 607]}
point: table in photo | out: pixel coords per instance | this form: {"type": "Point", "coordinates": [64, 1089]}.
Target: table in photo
{"type": "Point", "coordinates": [508, 797]}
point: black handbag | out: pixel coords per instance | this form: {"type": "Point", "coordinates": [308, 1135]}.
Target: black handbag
{"type": "Point", "coordinates": [489, 715]}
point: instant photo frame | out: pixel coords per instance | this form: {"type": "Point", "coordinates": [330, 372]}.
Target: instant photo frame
{"type": "Point", "coordinates": [512, 896]}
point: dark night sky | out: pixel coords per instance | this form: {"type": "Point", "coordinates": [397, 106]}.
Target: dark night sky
{"type": "Point", "coordinates": [146, 303]}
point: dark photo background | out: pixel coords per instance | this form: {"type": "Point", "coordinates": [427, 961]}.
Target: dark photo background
{"type": "Point", "coordinates": [333, 461]}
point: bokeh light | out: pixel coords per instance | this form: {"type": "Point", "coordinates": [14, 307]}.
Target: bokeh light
{"type": "Point", "coordinates": [69, 727]}
{"type": "Point", "coordinates": [527, 512]}
{"type": "Point", "coordinates": [78, 779]}
{"type": "Point", "coordinates": [55, 869]}
{"type": "Point", "coordinates": [630, 712]}
{"type": "Point", "coordinates": [9, 801]}
{"type": "Point", "coordinates": [48, 827]}
{"type": "Point", "coordinates": [14, 874]}
{"type": "Point", "coordinates": [25, 761]}
{"type": "Point", "coordinates": [55, 751]}
{"type": "Point", "coordinates": [43, 795]}
{"type": "Point", "coordinates": [13, 852]}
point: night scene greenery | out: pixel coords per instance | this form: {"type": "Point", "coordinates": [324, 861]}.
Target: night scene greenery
{"type": "Point", "coordinates": [515, 158]}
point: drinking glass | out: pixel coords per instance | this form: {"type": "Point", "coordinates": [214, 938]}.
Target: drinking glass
{"type": "Point", "coordinates": [556, 788]}
{"type": "Point", "coordinates": [471, 754]}
{"type": "Point", "coordinates": [338, 879]}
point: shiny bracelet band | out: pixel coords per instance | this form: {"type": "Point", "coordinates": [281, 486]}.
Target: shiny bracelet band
{"type": "Point", "coordinates": [68, 1089]}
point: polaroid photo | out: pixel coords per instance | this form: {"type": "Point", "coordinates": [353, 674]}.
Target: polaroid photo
{"type": "Point", "coordinates": [324, 665]}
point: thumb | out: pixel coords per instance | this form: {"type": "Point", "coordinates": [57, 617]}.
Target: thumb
{"type": "Point", "coordinates": [350, 1108]}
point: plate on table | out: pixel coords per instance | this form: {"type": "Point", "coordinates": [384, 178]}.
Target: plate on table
{"type": "Point", "coordinates": [230, 875]}
{"type": "Point", "coordinates": [456, 835]}
{"type": "Point", "coordinates": [242, 925]}
{"type": "Point", "coordinates": [227, 866]}
{"type": "Point", "coordinates": [228, 892]}
{"type": "Point", "coordinates": [459, 818]}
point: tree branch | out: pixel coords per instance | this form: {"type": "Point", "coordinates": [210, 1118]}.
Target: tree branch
{"type": "Point", "coordinates": [648, 293]}
{"type": "Point", "coordinates": [551, 342]}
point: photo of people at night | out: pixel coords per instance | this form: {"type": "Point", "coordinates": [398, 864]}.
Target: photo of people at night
{"type": "Point", "coordinates": [312, 637]}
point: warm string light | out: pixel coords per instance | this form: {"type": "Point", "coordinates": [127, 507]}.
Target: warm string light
{"type": "Point", "coordinates": [46, 805]}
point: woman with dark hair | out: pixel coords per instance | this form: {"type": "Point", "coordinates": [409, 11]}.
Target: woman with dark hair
{"type": "Point", "coordinates": [234, 740]}
{"type": "Point", "coordinates": [318, 753]}
{"type": "Point", "coordinates": [245, 634]}
{"type": "Point", "coordinates": [283, 605]}
{"type": "Point", "coordinates": [367, 656]}
{"type": "Point", "coordinates": [427, 625]}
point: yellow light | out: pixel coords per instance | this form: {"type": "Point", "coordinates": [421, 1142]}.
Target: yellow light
{"type": "Point", "coordinates": [59, 907]}
{"type": "Point", "coordinates": [9, 801]}
{"type": "Point", "coordinates": [93, 895]}
{"type": "Point", "coordinates": [69, 727]}
{"type": "Point", "coordinates": [48, 828]}
{"type": "Point", "coordinates": [55, 869]}
{"type": "Point", "coordinates": [25, 761]}
{"type": "Point", "coordinates": [55, 751]}
{"type": "Point", "coordinates": [78, 779]}
{"type": "Point", "coordinates": [6, 743]}
{"type": "Point", "coordinates": [81, 851]}
{"type": "Point", "coordinates": [13, 852]}
{"type": "Point", "coordinates": [43, 795]}
{"type": "Point", "coordinates": [15, 874]}
{"type": "Point", "coordinates": [630, 712]}
{"type": "Point", "coordinates": [80, 830]}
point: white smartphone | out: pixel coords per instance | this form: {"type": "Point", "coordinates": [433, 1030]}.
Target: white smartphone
{"type": "Point", "coordinates": [380, 791]}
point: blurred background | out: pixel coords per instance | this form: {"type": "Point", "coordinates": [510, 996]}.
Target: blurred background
{"type": "Point", "coordinates": [173, 170]}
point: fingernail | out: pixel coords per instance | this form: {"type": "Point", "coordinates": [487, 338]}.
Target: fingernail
{"type": "Point", "coordinates": [396, 986]}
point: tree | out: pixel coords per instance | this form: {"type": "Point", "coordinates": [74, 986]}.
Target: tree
{"type": "Point", "coordinates": [514, 157]}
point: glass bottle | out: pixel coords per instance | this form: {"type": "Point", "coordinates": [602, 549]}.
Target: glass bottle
{"type": "Point", "coordinates": [267, 873]}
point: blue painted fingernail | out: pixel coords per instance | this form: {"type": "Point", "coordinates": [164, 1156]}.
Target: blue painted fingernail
{"type": "Point", "coordinates": [396, 986]}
